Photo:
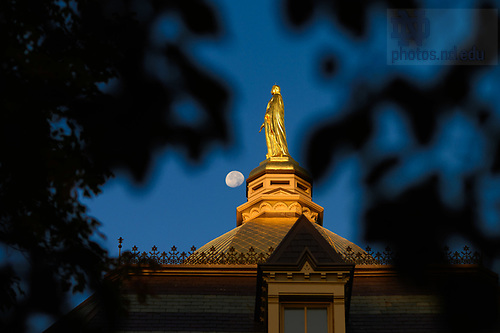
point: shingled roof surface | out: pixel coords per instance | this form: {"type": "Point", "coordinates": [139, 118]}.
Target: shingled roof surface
{"type": "Point", "coordinates": [225, 302]}
{"type": "Point", "coordinates": [183, 304]}
{"type": "Point", "coordinates": [201, 303]}
{"type": "Point", "coordinates": [262, 233]}
{"type": "Point", "coordinates": [382, 304]}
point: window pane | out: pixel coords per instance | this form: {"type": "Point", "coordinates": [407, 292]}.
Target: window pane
{"type": "Point", "coordinates": [317, 320]}
{"type": "Point", "coordinates": [294, 320]}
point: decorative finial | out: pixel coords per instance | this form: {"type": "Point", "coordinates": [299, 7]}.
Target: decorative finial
{"type": "Point", "coordinates": [274, 124]}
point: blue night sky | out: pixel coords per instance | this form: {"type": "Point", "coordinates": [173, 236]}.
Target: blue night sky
{"type": "Point", "coordinates": [186, 204]}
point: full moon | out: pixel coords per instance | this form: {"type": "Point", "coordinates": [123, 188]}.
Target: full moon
{"type": "Point", "coordinates": [234, 179]}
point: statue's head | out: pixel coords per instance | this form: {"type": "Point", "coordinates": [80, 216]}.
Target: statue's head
{"type": "Point", "coordinates": [275, 89]}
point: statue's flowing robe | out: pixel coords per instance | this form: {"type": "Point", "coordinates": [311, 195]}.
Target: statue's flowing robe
{"type": "Point", "coordinates": [275, 127]}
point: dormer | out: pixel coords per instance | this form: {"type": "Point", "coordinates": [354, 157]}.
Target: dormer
{"type": "Point", "coordinates": [305, 284]}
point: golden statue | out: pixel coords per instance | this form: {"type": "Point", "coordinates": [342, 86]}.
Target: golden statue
{"type": "Point", "coordinates": [274, 124]}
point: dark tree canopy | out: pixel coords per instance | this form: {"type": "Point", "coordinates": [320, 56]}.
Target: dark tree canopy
{"type": "Point", "coordinates": [81, 95]}
{"type": "Point", "coordinates": [415, 221]}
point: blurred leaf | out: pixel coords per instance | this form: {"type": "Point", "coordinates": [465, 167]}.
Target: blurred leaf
{"type": "Point", "coordinates": [82, 93]}
{"type": "Point", "coordinates": [380, 170]}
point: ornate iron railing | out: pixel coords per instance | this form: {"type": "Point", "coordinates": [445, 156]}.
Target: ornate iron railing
{"type": "Point", "coordinates": [233, 257]}
{"type": "Point", "coordinates": [466, 256]}
{"type": "Point", "coordinates": [193, 257]}
{"type": "Point", "coordinates": [386, 257]}
{"type": "Point", "coordinates": [172, 257]}
{"type": "Point", "coordinates": [368, 257]}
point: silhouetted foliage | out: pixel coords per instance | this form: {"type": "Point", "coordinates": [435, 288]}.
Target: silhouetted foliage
{"type": "Point", "coordinates": [86, 87]}
{"type": "Point", "coordinates": [351, 14]}
{"type": "Point", "coordinates": [415, 221]}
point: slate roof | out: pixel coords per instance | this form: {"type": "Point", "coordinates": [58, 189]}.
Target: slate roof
{"type": "Point", "coordinates": [177, 301]}
{"type": "Point", "coordinates": [382, 301]}
{"type": "Point", "coordinates": [383, 304]}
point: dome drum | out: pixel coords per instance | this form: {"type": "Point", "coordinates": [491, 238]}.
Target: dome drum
{"type": "Point", "coordinates": [279, 187]}
{"type": "Point", "coordinates": [279, 204]}
{"type": "Point", "coordinates": [270, 181]}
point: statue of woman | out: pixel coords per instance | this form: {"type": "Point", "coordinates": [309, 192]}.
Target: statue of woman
{"type": "Point", "coordinates": [274, 124]}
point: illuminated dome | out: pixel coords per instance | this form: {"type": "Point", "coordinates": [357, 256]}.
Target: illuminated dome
{"type": "Point", "coordinates": [261, 234]}
{"type": "Point", "coordinates": [279, 192]}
